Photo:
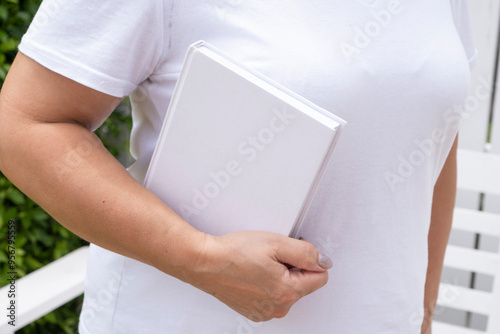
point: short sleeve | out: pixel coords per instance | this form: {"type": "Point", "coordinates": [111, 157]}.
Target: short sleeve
{"type": "Point", "coordinates": [110, 46]}
{"type": "Point", "coordinates": [461, 17]}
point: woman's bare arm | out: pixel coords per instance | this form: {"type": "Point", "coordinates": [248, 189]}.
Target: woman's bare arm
{"type": "Point", "coordinates": [439, 232]}
{"type": "Point", "coordinates": [48, 150]}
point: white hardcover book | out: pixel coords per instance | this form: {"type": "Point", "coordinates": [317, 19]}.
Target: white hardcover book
{"type": "Point", "coordinates": [238, 151]}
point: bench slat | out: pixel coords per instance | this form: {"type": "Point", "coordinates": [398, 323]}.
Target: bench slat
{"type": "Point", "coordinates": [48, 288]}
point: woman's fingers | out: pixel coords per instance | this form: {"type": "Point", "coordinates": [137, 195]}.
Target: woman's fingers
{"type": "Point", "coordinates": [250, 276]}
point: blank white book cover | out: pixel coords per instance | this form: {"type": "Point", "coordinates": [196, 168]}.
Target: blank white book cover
{"type": "Point", "coordinates": [237, 151]}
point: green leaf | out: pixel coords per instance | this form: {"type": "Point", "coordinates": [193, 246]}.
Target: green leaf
{"type": "Point", "coordinates": [61, 249]}
{"type": "Point", "coordinates": [9, 45]}
{"type": "Point", "coordinates": [63, 232]}
{"type": "Point", "coordinates": [24, 16]}
{"type": "Point", "coordinates": [21, 252]}
{"type": "Point", "coordinates": [11, 213]}
{"type": "Point", "coordinates": [43, 237]}
{"type": "Point", "coordinates": [39, 215]}
{"type": "Point", "coordinates": [16, 196]}
{"type": "Point", "coordinates": [3, 74]}
{"type": "Point", "coordinates": [33, 263]}
{"type": "Point", "coordinates": [20, 271]}
{"type": "Point", "coordinates": [21, 240]}
{"type": "Point", "coordinates": [4, 13]}
{"type": "Point", "coordinates": [51, 317]}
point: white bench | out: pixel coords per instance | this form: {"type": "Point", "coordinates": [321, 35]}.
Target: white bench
{"type": "Point", "coordinates": [46, 289]}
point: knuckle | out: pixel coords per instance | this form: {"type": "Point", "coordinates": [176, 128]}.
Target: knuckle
{"type": "Point", "coordinates": [264, 310]}
{"type": "Point", "coordinates": [281, 313]}
{"type": "Point", "coordinates": [283, 297]}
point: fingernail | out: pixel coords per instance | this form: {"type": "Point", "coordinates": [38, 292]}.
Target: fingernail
{"type": "Point", "coordinates": [324, 261]}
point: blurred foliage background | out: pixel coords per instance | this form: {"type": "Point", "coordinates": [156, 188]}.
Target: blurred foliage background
{"type": "Point", "coordinates": [39, 238]}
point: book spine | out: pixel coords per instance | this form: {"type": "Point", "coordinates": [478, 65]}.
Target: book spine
{"type": "Point", "coordinates": [170, 111]}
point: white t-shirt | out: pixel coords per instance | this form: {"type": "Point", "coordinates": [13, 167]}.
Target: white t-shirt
{"type": "Point", "coordinates": [395, 70]}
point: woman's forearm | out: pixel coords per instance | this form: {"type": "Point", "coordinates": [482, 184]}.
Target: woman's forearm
{"type": "Point", "coordinates": [65, 168]}
{"type": "Point", "coordinates": [441, 220]}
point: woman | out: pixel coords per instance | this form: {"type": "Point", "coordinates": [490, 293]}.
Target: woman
{"type": "Point", "coordinates": [392, 69]}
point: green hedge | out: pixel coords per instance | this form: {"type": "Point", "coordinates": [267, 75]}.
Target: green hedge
{"type": "Point", "coordinates": [39, 238]}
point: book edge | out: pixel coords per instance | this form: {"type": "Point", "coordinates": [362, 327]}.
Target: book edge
{"type": "Point", "coordinates": [170, 113]}
{"type": "Point", "coordinates": [283, 91]}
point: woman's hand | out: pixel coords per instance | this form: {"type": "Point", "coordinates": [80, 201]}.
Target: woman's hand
{"type": "Point", "coordinates": [249, 272]}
